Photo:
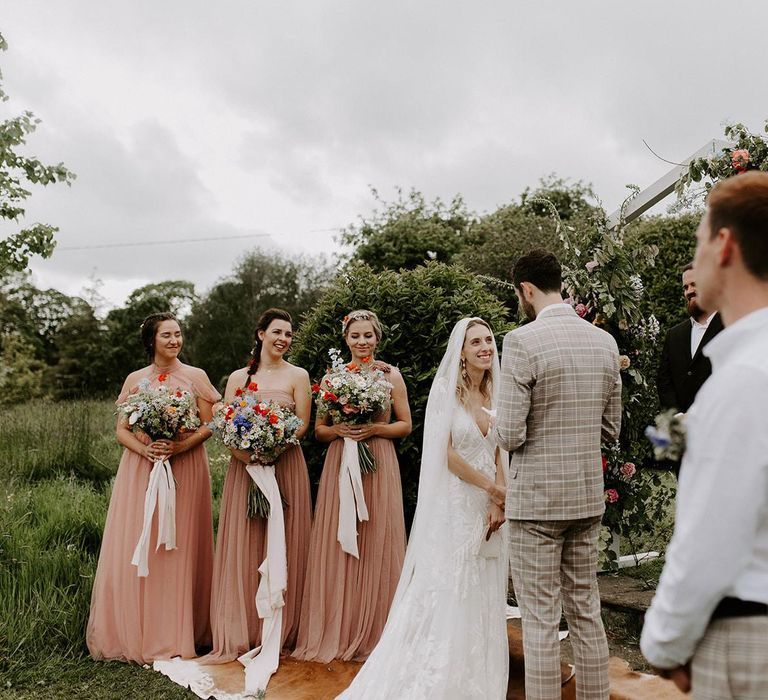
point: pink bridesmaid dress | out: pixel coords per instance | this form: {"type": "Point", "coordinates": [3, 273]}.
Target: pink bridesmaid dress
{"type": "Point", "coordinates": [241, 548]}
{"type": "Point", "coordinates": [165, 614]}
{"type": "Point", "coordinates": [347, 600]}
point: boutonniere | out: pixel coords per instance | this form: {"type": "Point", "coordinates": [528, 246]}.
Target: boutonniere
{"type": "Point", "coordinates": [668, 435]}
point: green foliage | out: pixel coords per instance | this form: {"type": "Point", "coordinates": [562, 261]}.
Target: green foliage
{"type": "Point", "coordinates": [750, 152]}
{"type": "Point", "coordinates": [21, 373]}
{"type": "Point", "coordinates": [572, 201]}
{"type": "Point", "coordinates": [219, 331]}
{"type": "Point", "coordinates": [408, 232]}
{"type": "Point", "coordinates": [418, 308]}
{"type": "Point", "coordinates": [674, 238]}
{"type": "Point", "coordinates": [17, 172]}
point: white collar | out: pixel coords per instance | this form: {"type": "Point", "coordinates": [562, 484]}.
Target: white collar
{"type": "Point", "coordinates": [736, 336]}
{"type": "Point", "coordinates": [706, 323]}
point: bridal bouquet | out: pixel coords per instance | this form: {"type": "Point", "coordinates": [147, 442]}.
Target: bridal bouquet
{"type": "Point", "coordinates": [668, 435]}
{"type": "Point", "coordinates": [160, 412]}
{"type": "Point", "coordinates": [264, 427]}
{"type": "Point", "coordinates": [351, 393]}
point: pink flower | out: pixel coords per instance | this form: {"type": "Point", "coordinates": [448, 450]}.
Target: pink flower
{"type": "Point", "coordinates": [611, 495]}
{"type": "Point", "coordinates": [581, 310]}
{"type": "Point", "coordinates": [591, 265]}
{"type": "Point", "coordinates": [624, 362]}
{"type": "Point", "coordinates": [628, 469]}
{"type": "Point", "coordinates": [740, 159]}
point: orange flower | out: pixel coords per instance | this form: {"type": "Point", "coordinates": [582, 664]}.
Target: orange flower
{"type": "Point", "coordinates": [243, 404]}
{"type": "Point", "coordinates": [273, 418]}
{"type": "Point", "coordinates": [253, 386]}
{"type": "Point", "coordinates": [366, 359]}
{"type": "Point", "coordinates": [238, 391]}
{"type": "Point", "coordinates": [162, 378]}
{"type": "Point", "coordinates": [352, 367]}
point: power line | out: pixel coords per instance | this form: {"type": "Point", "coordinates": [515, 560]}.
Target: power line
{"type": "Point", "coordinates": [136, 244]}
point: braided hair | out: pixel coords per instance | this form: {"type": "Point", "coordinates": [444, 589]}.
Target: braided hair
{"type": "Point", "coordinates": [263, 324]}
{"type": "Point", "coordinates": [148, 330]}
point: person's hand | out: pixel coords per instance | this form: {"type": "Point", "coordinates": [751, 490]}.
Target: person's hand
{"type": "Point", "coordinates": [173, 447]}
{"type": "Point", "coordinates": [495, 519]}
{"type": "Point", "coordinates": [498, 494]}
{"type": "Point", "coordinates": [383, 366]}
{"type": "Point", "coordinates": [156, 450]}
{"type": "Point", "coordinates": [242, 455]}
{"type": "Point", "coordinates": [363, 432]}
{"type": "Point", "coordinates": [680, 676]}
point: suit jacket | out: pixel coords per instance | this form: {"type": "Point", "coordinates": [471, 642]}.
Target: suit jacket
{"type": "Point", "coordinates": [560, 393]}
{"type": "Point", "coordinates": [680, 376]}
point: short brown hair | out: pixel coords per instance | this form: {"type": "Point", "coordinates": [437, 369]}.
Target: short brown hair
{"type": "Point", "coordinates": [539, 267]}
{"type": "Point", "coordinates": [740, 203]}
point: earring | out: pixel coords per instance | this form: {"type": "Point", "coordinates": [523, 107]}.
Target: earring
{"type": "Point", "coordinates": [464, 374]}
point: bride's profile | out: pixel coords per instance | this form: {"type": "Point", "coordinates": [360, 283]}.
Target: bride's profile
{"type": "Point", "coordinates": [445, 636]}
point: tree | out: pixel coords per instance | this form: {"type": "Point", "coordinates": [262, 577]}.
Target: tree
{"type": "Point", "coordinates": [219, 330]}
{"type": "Point", "coordinates": [21, 373]}
{"type": "Point", "coordinates": [408, 232]}
{"type": "Point", "coordinates": [121, 351]}
{"type": "Point", "coordinates": [418, 308]}
{"type": "Point", "coordinates": [16, 171]}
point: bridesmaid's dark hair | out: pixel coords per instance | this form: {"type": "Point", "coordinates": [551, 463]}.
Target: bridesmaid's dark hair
{"type": "Point", "coordinates": [149, 331]}
{"type": "Point", "coordinates": [264, 322]}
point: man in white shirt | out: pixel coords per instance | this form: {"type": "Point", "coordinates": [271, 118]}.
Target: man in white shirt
{"type": "Point", "coordinates": [708, 623]}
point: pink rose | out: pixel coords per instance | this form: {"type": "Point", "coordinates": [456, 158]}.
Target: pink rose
{"type": "Point", "coordinates": [611, 495]}
{"type": "Point", "coordinates": [591, 265]}
{"type": "Point", "coordinates": [624, 362]}
{"type": "Point", "coordinates": [581, 310]}
{"type": "Point", "coordinates": [740, 159]}
{"type": "Point", "coordinates": [628, 469]}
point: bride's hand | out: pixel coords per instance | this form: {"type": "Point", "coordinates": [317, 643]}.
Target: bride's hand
{"type": "Point", "coordinates": [497, 493]}
{"type": "Point", "coordinates": [495, 518]}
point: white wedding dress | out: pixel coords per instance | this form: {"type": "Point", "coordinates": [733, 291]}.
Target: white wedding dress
{"type": "Point", "coordinates": [446, 635]}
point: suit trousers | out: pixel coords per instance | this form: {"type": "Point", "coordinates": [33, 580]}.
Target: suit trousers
{"type": "Point", "coordinates": [731, 660]}
{"type": "Point", "coordinates": [554, 569]}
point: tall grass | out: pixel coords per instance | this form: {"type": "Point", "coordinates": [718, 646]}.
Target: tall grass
{"type": "Point", "coordinates": [56, 467]}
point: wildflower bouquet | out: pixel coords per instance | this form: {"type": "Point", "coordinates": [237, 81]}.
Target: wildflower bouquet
{"type": "Point", "coordinates": [668, 435]}
{"type": "Point", "coordinates": [351, 393]}
{"type": "Point", "coordinates": [161, 412]}
{"type": "Point", "coordinates": [264, 427]}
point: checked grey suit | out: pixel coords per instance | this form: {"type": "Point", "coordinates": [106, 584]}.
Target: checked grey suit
{"type": "Point", "coordinates": [560, 394]}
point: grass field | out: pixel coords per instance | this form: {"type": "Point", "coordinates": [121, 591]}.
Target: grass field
{"type": "Point", "coordinates": [56, 467]}
{"type": "Point", "coordinates": [57, 462]}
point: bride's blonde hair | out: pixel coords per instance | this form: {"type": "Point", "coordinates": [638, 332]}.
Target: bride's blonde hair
{"type": "Point", "coordinates": [462, 383]}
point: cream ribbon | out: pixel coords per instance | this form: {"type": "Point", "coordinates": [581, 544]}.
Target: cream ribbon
{"type": "Point", "coordinates": [262, 661]}
{"type": "Point", "coordinates": [161, 492]}
{"type": "Point", "coordinates": [351, 499]}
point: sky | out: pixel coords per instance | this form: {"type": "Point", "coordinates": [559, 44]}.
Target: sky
{"type": "Point", "coordinates": [251, 123]}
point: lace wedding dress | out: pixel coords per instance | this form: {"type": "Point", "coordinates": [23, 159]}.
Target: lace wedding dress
{"type": "Point", "coordinates": [445, 637]}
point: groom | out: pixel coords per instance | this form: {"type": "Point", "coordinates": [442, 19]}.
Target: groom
{"type": "Point", "coordinates": [560, 393]}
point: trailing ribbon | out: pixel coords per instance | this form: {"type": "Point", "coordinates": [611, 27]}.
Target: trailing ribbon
{"type": "Point", "coordinates": [262, 661]}
{"type": "Point", "coordinates": [351, 499]}
{"type": "Point", "coordinates": [161, 492]}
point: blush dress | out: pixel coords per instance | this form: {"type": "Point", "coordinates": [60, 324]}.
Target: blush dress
{"type": "Point", "coordinates": [346, 600]}
{"type": "Point", "coordinates": [167, 613]}
{"type": "Point", "coordinates": [241, 548]}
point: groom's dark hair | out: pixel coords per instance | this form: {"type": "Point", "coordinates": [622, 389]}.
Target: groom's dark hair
{"type": "Point", "coordinates": [539, 267]}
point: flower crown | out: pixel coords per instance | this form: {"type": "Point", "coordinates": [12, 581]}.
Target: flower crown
{"type": "Point", "coordinates": [356, 316]}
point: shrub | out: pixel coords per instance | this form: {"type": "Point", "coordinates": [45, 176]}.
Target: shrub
{"type": "Point", "coordinates": [418, 308]}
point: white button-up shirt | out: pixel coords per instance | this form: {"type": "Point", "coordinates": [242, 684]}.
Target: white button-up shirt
{"type": "Point", "coordinates": [697, 332]}
{"type": "Point", "coordinates": [720, 543]}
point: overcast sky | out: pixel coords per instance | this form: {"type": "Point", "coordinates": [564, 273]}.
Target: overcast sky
{"type": "Point", "coordinates": [189, 119]}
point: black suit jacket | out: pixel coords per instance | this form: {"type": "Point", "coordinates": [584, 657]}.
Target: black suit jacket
{"type": "Point", "coordinates": [680, 376]}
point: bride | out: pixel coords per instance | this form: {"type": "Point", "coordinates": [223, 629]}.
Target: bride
{"type": "Point", "coordinates": [445, 636]}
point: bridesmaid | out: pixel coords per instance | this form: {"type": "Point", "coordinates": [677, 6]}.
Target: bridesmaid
{"type": "Point", "coordinates": [166, 613]}
{"type": "Point", "coordinates": [241, 541]}
{"type": "Point", "coordinates": [346, 600]}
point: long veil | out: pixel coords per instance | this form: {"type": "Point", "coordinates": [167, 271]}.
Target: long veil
{"type": "Point", "coordinates": [428, 555]}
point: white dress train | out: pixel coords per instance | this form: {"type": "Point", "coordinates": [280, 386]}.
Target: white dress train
{"type": "Point", "coordinates": [446, 638]}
